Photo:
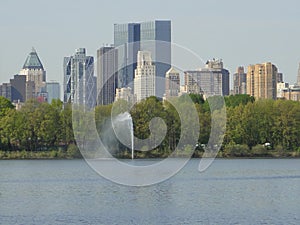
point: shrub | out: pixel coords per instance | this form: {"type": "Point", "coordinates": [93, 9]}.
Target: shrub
{"type": "Point", "coordinates": [73, 151]}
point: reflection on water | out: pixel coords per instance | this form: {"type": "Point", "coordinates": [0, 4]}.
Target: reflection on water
{"type": "Point", "coordinates": [256, 191]}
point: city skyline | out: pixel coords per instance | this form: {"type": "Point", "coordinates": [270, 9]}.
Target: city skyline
{"type": "Point", "coordinates": [217, 32]}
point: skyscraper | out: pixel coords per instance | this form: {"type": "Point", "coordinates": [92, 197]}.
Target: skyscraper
{"type": "Point", "coordinates": [18, 84]}
{"type": "Point", "coordinates": [34, 71]}
{"type": "Point", "coordinates": [172, 83]}
{"type": "Point", "coordinates": [298, 77]}
{"type": "Point", "coordinates": [262, 80]}
{"type": "Point", "coordinates": [107, 61]}
{"type": "Point", "coordinates": [79, 81]}
{"type": "Point", "coordinates": [53, 90]}
{"type": "Point", "coordinates": [153, 36]}
{"type": "Point", "coordinates": [126, 40]}
{"type": "Point", "coordinates": [144, 80]}
{"type": "Point", "coordinates": [239, 81]}
{"type": "Point", "coordinates": [211, 80]}
{"type": "Point", "coordinates": [156, 38]}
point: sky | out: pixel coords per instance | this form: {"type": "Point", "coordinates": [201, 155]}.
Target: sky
{"type": "Point", "coordinates": [238, 32]}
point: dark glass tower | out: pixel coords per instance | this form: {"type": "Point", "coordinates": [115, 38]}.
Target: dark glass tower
{"type": "Point", "coordinates": [153, 36]}
{"type": "Point", "coordinates": [156, 37]}
{"type": "Point", "coordinates": [107, 60]}
{"type": "Point", "coordinates": [126, 40]}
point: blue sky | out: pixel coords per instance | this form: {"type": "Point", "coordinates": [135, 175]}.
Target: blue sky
{"type": "Point", "coordinates": [239, 32]}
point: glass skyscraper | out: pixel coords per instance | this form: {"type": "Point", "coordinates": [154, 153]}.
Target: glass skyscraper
{"type": "Point", "coordinates": [79, 80]}
{"type": "Point", "coordinates": [153, 36]}
{"type": "Point", "coordinates": [126, 40]}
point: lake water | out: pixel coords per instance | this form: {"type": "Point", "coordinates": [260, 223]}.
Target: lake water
{"type": "Point", "coordinates": [238, 191]}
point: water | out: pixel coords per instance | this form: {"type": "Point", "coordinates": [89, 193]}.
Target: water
{"type": "Point", "coordinates": [256, 191]}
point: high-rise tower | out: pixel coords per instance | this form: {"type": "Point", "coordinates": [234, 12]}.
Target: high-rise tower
{"type": "Point", "coordinates": [262, 81]}
{"type": "Point", "coordinates": [79, 81]}
{"type": "Point", "coordinates": [107, 60]}
{"type": "Point", "coordinates": [35, 74]}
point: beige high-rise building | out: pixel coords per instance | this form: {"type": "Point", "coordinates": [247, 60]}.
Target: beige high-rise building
{"type": "Point", "coordinates": [262, 80]}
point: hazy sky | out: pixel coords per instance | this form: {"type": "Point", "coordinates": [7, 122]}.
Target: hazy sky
{"type": "Point", "coordinates": [239, 32]}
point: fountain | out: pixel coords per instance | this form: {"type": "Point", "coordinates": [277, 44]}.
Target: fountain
{"type": "Point", "coordinates": [125, 117]}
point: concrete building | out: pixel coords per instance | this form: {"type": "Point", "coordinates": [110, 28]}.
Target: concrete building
{"type": "Point", "coordinates": [298, 76]}
{"type": "Point", "coordinates": [144, 80]}
{"type": "Point", "coordinates": [279, 77]}
{"type": "Point", "coordinates": [172, 83]}
{"type": "Point", "coordinates": [34, 71]}
{"type": "Point", "coordinates": [211, 80]}
{"type": "Point", "coordinates": [79, 81]}
{"type": "Point", "coordinates": [262, 81]}
{"type": "Point", "coordinates": [53, 90]}
{"type": "Point", "coordinates": [281, 88]}
{"type": "Point", "coordinates": [239, 81]}
{"type": "Point", "coordinates": [124, 94]}
{"type": "Point", "coordinates": [291, 93]}
{"type": "Point", "coordinates": [107, 71]}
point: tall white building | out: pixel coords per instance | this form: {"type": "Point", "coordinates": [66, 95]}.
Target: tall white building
{"type": "Point", "coordinates": [144, 81]}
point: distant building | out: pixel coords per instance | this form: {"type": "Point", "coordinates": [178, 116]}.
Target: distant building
{"type": "Point", "coordinates": [134, 37]}
{"type": "Point", "coordinates": [262, 81]}
{"type": "Point", "coordinates": [281, 88]}
{"type": "Point", "coordinates": [18, 84]}
{"type": "Point", "coordinates": [127, 41]}
{"type": "Point", "coordinates": [291, 93]}
{"type": "Point", "coordinates": [124, 94]}
{"type": "Point", "coordinates": [6, 91]}
{"type": "Point", "coordinates": [172, 83]}
{"type": "Point", "coordinates": [211, 80]}
{"type": "Point", "coordinates": [298, 77]}
{"type": "Point", "coordinates": [279, 77]}
{"type": "Point", "coordinates": [79, 81]}
{"type": "Point", "coordinates": [34, 71]}
{"type": "Point", "coordinates": [159, 33]}
{"type": "Point", "coordinates": [144, 80]}
{"type": "Point", "coordinates": [239, 81]}
{"type": "Point", "coordinates": [107, 71]}
{"type": "Point", "coordinates": [53, 90]}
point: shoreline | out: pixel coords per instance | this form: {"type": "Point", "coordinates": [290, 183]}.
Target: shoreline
{"type": "Point", "coordinates": [74, 153]}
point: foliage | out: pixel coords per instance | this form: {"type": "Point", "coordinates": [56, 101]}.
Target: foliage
{"type": "Point", "coordinates": [43, 127]}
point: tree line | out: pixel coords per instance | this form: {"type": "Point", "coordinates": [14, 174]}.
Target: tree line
{"type": "Point", "coordinates": [253, 127]}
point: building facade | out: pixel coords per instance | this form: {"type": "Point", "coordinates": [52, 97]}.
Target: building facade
{"type": "Point", "coordinates": [211, 80]}
{"type": "Point", "coordinates": [239, 81]}
{"type": "Point", "coordinates": [127, 42]}
{"type": "Point", "coordinates": [53, 90]}
{"type": "Point", "coordinates": [79, 81]}
{"type": "Point", "coordinates": [153, 36]}
{"type": "Point", "coordinates": [107, 80]}
{"type": "Point", "coordinates": [156, 38]}
{"type": "Point", "coordinates": [298, 76]}
{"type": "Point", "coordinates": [34, 71]}
{"type": "Point", "coordinates": [6, 91]}
{"type": "Point", "coordinates": [124, 94]}
{"type": "Point", "coordinates": [262, 81]}
{"type": "Point", "coordinates": [172, 83]}
{"type": "Point", "coordinates": [144, 80]}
